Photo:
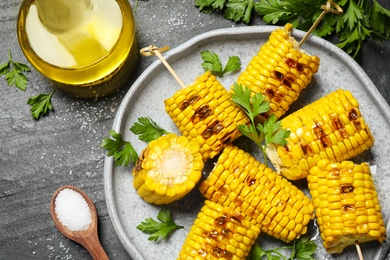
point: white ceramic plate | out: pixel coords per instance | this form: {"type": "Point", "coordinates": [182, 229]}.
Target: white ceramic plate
{"type": "Point", "coordinates": [146, 96]}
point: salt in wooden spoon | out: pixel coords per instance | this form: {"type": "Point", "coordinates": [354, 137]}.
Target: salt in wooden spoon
{"type": "Point", "coordinates": [88, 237]}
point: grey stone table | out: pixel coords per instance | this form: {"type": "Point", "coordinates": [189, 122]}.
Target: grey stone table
{"type": "Point", "coordinates": [63, 148]}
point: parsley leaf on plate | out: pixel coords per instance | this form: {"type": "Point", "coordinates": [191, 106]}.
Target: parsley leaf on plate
{"type": "Point", "coordinates": [212, 63]}
{"type": "Point", "coordinates": [147, 129]}
{"type": "Point", "coordinates": [122, 151]}
{"type": "Point", "coordinates": [159, 229]}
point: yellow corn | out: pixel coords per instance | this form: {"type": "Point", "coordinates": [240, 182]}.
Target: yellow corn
{"type": "Point", "coordinates": [205, 113]}
{"type": "Point", "coordinates": [262, 196]}
{"type": "Point", "coordinates": [167, 169]}
{"type": "Point", "coordinates": [346, 204]}
{"type": "Point", "coordinates": [329, 128]}
{"type": "Point", "coordinates": [219, 232]}
{"type": "Point", "coordinates": [280, 71]}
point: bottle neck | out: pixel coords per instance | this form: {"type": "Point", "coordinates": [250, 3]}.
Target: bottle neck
{"type": "Point", "coordinates": [60, 16]}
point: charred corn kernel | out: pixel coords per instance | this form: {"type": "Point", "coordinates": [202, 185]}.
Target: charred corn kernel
{"type": "Point", "coordinates": [259, 193]}
{"type": "Point", "coordinates": [167, 169]}
{"type": "Point", "coordinates": [351, 213]}
{"type": "Point", "coordinates": [333, 133]}
{"type": "Point", "coordinates": [280, 71]}
{"type": "Point", "coordinates": [204, 112]}
{"type": "Point", "coordinates": [219, 232]}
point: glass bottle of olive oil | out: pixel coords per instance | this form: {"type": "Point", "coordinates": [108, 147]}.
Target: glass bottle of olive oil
{"type": "Point", "coordinates": [82, 45]}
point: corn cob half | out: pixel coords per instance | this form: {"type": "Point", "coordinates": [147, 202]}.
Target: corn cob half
{"type": "Point", "coordinates": [280, 71]}
{"type": "Point", "coordinates": [329, 128]}
{"type": "Point", "coordinates": [167, 169]}
{"type": "Point", "coordinates": [219, 232]}
{"type": "Point", "coordinates": [346, 204]}
{"type": "Point", "coordinates": [205, 113]}
{"type": "Point", "coordinates": [265, 198]}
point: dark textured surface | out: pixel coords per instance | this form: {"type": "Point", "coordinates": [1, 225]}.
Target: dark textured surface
{"type": "Point", "coordinates": [37, 157]}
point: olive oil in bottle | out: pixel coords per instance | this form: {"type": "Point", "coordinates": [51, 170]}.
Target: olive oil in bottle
{"type": "Point", "coordinates": [79, 44]}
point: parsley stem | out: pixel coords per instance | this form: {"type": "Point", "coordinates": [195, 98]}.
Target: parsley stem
{"type": "Point", "coordinates": [263, 149]}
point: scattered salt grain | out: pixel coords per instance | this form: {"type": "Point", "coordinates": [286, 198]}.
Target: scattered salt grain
{"type": "Point", "coordinates": [72, 210]}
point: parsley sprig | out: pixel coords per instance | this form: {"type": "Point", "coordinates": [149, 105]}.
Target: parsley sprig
{"type": "Point", "coordinates": [270, 132]}
{"type": "Point", "coordinates": [360, 20]}
{"type": "Point", "coordinates": [13, 73]}
{"type": "Point", "coordinates": [302, 249]}
{"type": "Point", "coordinates": [212, 63]}
{"type": "Point", "coordinates": [123, 151]}
{"type": "Point", "coordinates": [40, 104]}
{"type": "Point", "coordinates": [147, 130]}
{"type": "Point", "coordinates": [159, 229]}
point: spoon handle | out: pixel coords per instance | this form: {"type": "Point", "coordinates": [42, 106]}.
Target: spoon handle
{"type": "Point", "coordinates": [95, 248]}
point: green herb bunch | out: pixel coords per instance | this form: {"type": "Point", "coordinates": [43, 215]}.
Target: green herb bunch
{"type": "Point", "coordinates": [360, 20]}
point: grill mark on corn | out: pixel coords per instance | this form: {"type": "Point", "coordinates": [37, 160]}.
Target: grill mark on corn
{"type": "Point", "coordinates": [353, 116]}
{"type": "Point", "coordinates": [250, 180]}
{"type": "Point", "coordinates": [338, 124]}
{"type": "Point", "coordinates": [279, 96]}
{"type": "Point", "coordinates": [347, 188]}
{"type": "Point", "coordinates": [348, 208]}
{"type": "Point", "coordinates": [320, 134]}
{"type": "Point", "coordinates": [269, 92]}
{"type": "Point", "coordinates": [238, 201]}
{"type": "Point", "coordinates": [306, 149]}
{"type": "Point", "coordinates": [278, 75]}
{"type": "Point", "coordinates": [214, 128]}
{"type": "Point", "coordinates": [287, 82]}
{"type": "Point", "coordinates": [294, 64]}
{"type": "Point", "coordinates": [201, 113]}
{"type": "Point", "coordinates": [187, 102]}
{"type": "Point", "coordinates": [227, 138]}
{"type": "Point", "coordinates": [219, 252]}
{"type": "Point", "coordinates": [221, 221]}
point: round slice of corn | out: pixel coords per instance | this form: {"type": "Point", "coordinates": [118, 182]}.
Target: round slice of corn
{"type": "Point", "coordinates": [168, 169]}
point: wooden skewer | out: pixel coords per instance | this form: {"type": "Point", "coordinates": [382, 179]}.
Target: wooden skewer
{"type": "Point", "coordinates": [359, 250]}
{"type": "Point", "coordinates": [153, 50]}
{"type": "Point", "coordinates": [329, 7]}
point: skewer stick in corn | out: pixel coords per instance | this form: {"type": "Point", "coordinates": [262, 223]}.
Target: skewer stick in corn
{"type": "Point", "coordinates": [359, 251]}
{"type": "Point", "coordinates": [346, 204]}
{"type": "Point", "coordinates": [331, 127]}
{"type": "Point", "coordinates": [329, 7]}
{"type": "Point", "coordinates": [153, 50]}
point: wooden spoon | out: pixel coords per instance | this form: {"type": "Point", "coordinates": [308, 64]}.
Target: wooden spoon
{"type": "Point", "coordinates": [88, 238]}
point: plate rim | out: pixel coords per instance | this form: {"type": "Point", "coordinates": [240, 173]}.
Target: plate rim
{"type": "Point", "coordinates": [193, 42]}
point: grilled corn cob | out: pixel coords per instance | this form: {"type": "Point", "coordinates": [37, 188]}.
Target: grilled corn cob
{"type": "Point", "coordinates": [280, 71]}
{"type": "Point", "coordinates": [219, 232]}
{"type": "Point", "coordinates": [167, 169]}
{"type": "Point", "coordinates": [346, 204]}
{"type": "Point", "coordinates": [329, 128]}
{"type": "Point", "coordinates": [205, 113]}
{"type": "Point", "coordinates": [271, 203]}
